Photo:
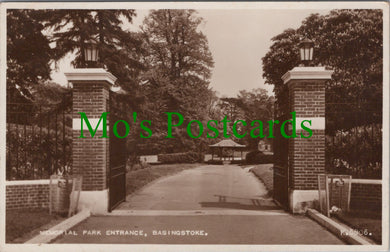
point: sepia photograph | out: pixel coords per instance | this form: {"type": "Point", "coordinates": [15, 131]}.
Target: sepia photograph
{"type": "Point", "coordinates": [191, 126]}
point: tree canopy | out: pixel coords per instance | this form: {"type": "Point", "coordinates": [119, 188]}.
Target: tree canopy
{"type": "Point", "coordinates": [248, 105]}
{"type": "Point", "coordinates": [119, 49]}
{"type": "Point", "coordinates": [349, 42]}
{"type": "Point", "coordinates": [28, 54]}
{"type": "Point", "coordinates": [179, 63]}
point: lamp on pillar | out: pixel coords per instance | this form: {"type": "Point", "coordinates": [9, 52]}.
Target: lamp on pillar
{"type": "Point", "coordinates": [91, 53]}
{"type": "Point", "coordinates": [91, 156]}
{"type": "Point", "coordinates": [306, 50]}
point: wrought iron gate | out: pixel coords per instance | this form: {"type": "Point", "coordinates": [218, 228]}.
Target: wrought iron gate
{"type": "Point", "coordinates": [117, 156]}
{"type": "Point", "coordinates": [281, 161]}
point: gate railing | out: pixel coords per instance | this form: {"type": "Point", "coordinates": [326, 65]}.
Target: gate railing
{"type": "Point", "coordinates": [118, 153]}
{"type": "Point", "coordinates": [281, 160]}
{"type": "Point", "coordinates": [281, 165]}
{"type": "Point", "coordinates": [38, 142]}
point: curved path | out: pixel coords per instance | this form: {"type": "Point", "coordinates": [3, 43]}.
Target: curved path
{"type": "Point", "coordinates": [209, 187]}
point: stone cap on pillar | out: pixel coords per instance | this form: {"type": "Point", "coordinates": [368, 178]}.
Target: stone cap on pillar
{"type": "Point", "coordinates": [307, 73]}
{"type": "Point", "coordinates": [90, 75]}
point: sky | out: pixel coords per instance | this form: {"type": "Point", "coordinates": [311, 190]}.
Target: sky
{"type": "Point", "coordinates": [238, 39]}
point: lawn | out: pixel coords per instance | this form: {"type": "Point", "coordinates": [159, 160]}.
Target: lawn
{"type": "Point", "coordinates": [265, 173]}
{"type": "Point", "coordinates": [139, 178]}
{"type": "Point", "coordinates": [22, 225]}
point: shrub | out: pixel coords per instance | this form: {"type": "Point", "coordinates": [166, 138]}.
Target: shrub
{"type": "Point", "coordinates": [215, 162]}
{"type": "Point", "coordinates": [258, 157]}
{"type": "Point", "coordinates": [184, 157]}
{"type": "Point", "coordinates": [138, 166]}
{"type": "Point", "coordinates": [357, 151]}
{"type": "Point", "coordinates": [237, 162]}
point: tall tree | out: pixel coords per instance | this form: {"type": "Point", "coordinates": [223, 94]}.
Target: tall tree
{"type": "Point", "coordinates": [179, 63]}
{"type": "Point", "coordinates": [28, 54]}
{"type": "Point", "coordinates": [118, 48]}
{"type": "Point", "coordinates": [248, 105]}
{"type": "Point", "coordinates": [177, 47]}
{"type": "Point", "coordinates": [232, 108]}
{"type": "Point", "coordinates": [257, 105]}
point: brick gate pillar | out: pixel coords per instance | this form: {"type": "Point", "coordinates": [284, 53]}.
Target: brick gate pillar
{"type": "Point", "coordinates": [306, 155]}
{"type": "Point", "coordinates": [91, 154]}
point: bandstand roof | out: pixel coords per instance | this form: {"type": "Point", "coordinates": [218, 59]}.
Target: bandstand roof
{"type": "Point", "coordinates": [227, 143]}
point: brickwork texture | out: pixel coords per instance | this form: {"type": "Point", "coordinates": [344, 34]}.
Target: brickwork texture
{"type": "Point", "coordinates": [27, 196]}
{"type": "Point", "coordinates": [366, 197]}
{"type": "Point", "coordinates": [307, 155]}
{"type": "Point", "coordinates": [90, 157]}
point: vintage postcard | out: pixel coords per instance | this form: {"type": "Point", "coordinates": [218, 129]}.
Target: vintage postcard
{"type": "Point", "coordinates": [194, 126]}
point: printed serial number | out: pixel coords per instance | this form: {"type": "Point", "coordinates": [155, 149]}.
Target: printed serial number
{"type": "Point", "coordinates": [355, 232]}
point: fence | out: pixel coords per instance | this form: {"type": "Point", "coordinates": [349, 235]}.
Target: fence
{"type": "Point", "coordinates": [39, 141]}
{"type": "Point", "coordinates": [354, 140]}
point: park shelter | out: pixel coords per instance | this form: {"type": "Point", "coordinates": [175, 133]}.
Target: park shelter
{"type": "Point", "coordinates": [228, 145]}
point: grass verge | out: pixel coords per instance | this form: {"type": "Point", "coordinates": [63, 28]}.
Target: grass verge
{"type": "Point", "coordinates": [369, 227]}
{"type": "Point", "coordinates": [265, 173]}
{"type": "Point", "coordinates": [139, 178]}
{"type": "Point", "coordinates": [21, 225]}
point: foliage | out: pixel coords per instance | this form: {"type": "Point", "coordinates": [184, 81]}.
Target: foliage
{"type": "Point", "coordinates": [28, 54]}
{"type": "Point", "coordinates": [239, 162]}
{"type": "Point", "coordinates": [178, 63]}
{"type": "Point", "coordinates": [364, 142]}
{"type": "Point", "coordinates": [258, 157]}
{"type": "Point", "coordinates": [38, 150]}
{"type": "Point", "coordinates": [176, 47]}
{"type": "Point", "coordinates": [214, 162]}
{"type": "Point", "coordinates": [119, 49]}
{"type": "Point", "coordinates": [40, 126]}
{"type": "Point", "coordinates": [257, 105]}
{"type": "Point", "coordinates": [184, 157]}
{"type": "Point", "coordinates": [232, 108]}
{"type": "Point", "coordinates": [138, 166]}
{"type": "Point", "coordinates": [251, 105]}
{"type": "Point", "coordinates": [349, 42]}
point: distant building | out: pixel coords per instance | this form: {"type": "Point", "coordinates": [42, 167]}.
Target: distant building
{"type": "Point", "coordinates": [225, 149]}
{"type": "Point", "coordinates": [264, 145]}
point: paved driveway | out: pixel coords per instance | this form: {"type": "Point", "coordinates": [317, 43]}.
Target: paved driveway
{"type": "Point", "coordinates": [205, 205]}
{"type": "Point", "coordinates": [203, 188]}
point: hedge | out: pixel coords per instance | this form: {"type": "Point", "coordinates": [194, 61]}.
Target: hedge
{"type": "Point", "coordinates": [183, 157]}
{"type": "Point", "coordinates": [215, 162]}
{"type": "Point", "coordinates": [237, 162]}
{"type": "Point", "coordinates": [258, 157]}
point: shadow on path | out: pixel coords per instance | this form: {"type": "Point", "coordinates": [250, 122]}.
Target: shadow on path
{"type": "Point", "coordinates": [241, 203]}
{"type": "Point", "coordinates": [235, 205]}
